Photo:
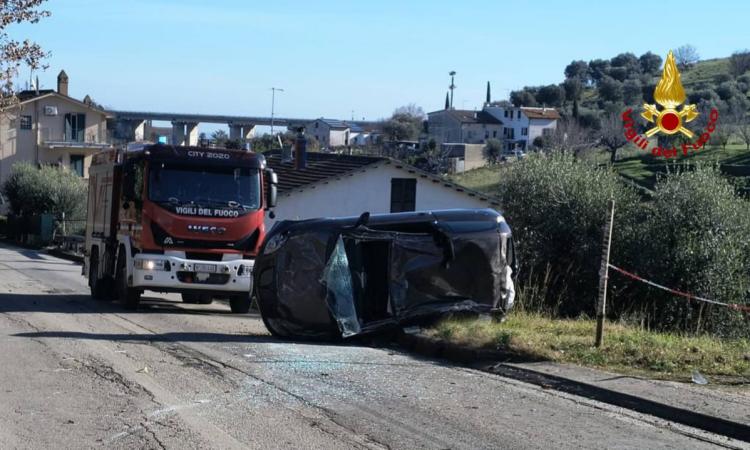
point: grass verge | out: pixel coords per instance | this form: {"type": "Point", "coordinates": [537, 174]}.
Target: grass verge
{"type": "Point", "coordinates": [627, 349]}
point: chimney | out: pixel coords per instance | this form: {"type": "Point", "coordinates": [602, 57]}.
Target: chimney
{"type": "Point", "coordinates": [62, 83]}
{"type": "Point", "coordinates": [300, 150]}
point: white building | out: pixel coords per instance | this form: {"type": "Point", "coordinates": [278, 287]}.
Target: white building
{"type": "Point", "coordinates": [341, 185]}
{"type": "Point", "coordinates": [363, 136]}
{"type": "Point", "coordinates": [521, 125]}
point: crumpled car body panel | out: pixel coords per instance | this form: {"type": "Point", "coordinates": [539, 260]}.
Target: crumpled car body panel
{"type": "Point", "coordinates": [342, 277]}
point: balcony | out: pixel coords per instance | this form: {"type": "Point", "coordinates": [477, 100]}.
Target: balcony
{"type": "Point", "coordinates": [75, 140]}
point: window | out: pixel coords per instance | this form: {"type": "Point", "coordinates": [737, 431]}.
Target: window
{"type": "Point", "coordinates": [75, 127]}
{"type": "Point", "coordinates": [494, 134]}
{"type": "Point", "coordinates": [209, 187]}
{"type": "Point", "coordinates": [524, 131]}
{"type": "Point", "coordinates": [76, 164]}
{"type": "Point", "coordinates": [403, 194]}
{"type": "Point", "coordinates": [506, 113]}
{"type": "Point", "coordinates": [25, 122]}
{"type": "Point", "coordinates": [519, 113]}
{"type": "Point", "coordinates": [508, 133]}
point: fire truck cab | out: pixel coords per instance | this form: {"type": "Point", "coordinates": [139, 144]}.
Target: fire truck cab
{"type": "Point", "coordinates": [176, 219]}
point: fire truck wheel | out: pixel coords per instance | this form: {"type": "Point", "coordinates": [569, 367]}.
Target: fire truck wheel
{"type": "Point", "coordinates": [240, 304]}
{"type": "Point", "coordinates": [130, 297]}
{"type": "Point", "coordinates": [200, 299]}
{"type": "Point", "coordinates": [100, 289]}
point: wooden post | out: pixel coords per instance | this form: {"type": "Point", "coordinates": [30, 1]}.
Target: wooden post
{"type": "Point", "coordinates": [601, 305]}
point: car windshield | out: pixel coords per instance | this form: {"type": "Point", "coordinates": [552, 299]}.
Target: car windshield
{"type": "Point", "coordinates": [205, 186]}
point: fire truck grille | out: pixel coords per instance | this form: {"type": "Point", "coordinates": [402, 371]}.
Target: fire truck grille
{"type": "Point", "coordinates": [213, 278]}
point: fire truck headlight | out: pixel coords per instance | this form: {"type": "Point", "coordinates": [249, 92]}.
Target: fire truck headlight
{"type": "Point", "coordinates": [150, 264]}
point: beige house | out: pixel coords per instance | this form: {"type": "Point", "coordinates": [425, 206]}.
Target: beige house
{"type": "Point", "coordinates": [463, 126]}
{"type": "Point", "coordinates": [48, 127]}
{"type": "Point", "coordinates": [330, 133]}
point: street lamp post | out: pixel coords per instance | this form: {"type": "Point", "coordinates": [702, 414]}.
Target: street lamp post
{"type": "Point", "coordinates": [452, 86]}
{"type": "Point", "coordinates": [273, 103]}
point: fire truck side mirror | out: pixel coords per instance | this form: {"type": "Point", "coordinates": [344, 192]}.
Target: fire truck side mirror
{"type": "Point", "coordinates": [273, 180]}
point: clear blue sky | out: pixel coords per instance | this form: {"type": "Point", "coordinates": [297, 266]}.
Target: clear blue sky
{"type": "Point", "coordinates": [332, 57]}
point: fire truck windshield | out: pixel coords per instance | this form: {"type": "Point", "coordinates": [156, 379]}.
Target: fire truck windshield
{"type": "Point", "coordinates": [215, 187]}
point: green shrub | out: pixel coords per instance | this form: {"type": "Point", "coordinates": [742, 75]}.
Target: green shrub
{"type": "Point", "coordinates": [557, 207]}
{"type": "Point", "coordinates": [695, 239]}
{"type": "Point", "coordinates": [46, 190]}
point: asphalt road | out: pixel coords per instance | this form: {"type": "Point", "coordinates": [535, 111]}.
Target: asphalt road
{"type": "Point", "coordinates": [75, 372]}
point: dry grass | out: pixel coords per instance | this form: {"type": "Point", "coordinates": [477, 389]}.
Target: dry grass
{"type": "Point", "coordinates": [626, 349]}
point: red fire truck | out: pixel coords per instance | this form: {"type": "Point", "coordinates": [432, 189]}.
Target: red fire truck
{"type": "Point", "coordinates": [176, 219]}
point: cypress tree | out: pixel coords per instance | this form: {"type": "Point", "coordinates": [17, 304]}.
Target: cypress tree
{"type": "Point", "coordinates": [447, 101]}
{"type": "Point", "coordinates": [488, 93]}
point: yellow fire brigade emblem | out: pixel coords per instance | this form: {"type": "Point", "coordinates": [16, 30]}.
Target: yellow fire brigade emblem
{"type": "Point", "coordinates": [670, 94]}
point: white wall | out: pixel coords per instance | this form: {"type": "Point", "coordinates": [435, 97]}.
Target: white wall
{"type": "Point", "coordinates": [339, 138]}
{"type": "Point", "coordinates": [537, 126]}
{"type": "Point", "coordinates": [368, 191]}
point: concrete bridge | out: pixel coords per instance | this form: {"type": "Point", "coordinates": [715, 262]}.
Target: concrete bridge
{"type": "Point", "coordinates": [136, 125]}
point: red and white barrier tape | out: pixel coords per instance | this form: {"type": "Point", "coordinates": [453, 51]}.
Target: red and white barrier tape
{"type": "Point", "coordinates": [734, 306]}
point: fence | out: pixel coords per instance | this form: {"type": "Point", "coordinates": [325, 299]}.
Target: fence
{"type": "Point", "coordinates": [604, 277]}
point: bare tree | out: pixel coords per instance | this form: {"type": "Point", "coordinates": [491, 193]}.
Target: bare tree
{"type": "Point", "coordinates": [722, 134]}
{"type": "Point", "coordinates": [611, 135]}
{"type": "Point", "coordinates": [743, 130]}
{"type": "Point", "coordinates": [13, 53]}
{"type": "Point", "coordinates": [686, 56]}
{"type": "Point", "coordinates": [568, 136]}
{"type": "Point", "coordinates": [410, 110]}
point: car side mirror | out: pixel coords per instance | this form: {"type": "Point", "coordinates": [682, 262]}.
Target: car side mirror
{"type": "Point", "coordinates": [273, 181]}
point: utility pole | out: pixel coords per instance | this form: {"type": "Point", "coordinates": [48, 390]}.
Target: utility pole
{"type": "Point", "coordinates": [601, 303]}
{"type": "Point", "coordinates": [452, 86]}
{"type": "Point", "coordinates": [273, 103]}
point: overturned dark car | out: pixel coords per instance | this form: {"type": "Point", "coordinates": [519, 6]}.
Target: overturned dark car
{"type": "Point", "coordinates": [341, 277]}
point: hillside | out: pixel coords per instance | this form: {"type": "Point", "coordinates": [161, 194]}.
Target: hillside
{"type": "Point", "coordinates": [636, 167]}
{"type": "Point", "coordinates": [710, 80]}
{"type": "Point", "coordinates": [591, 90]}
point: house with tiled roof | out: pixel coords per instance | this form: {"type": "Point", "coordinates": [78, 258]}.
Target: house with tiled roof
{"type": "Point", "coordinates": [334, 185]}
{"type": "Point", "coordinates": [463, 126]}
{"type": "Point", "coordinates": [50, 127]}
{"type": "Point", "coordinates": [523, 124]}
